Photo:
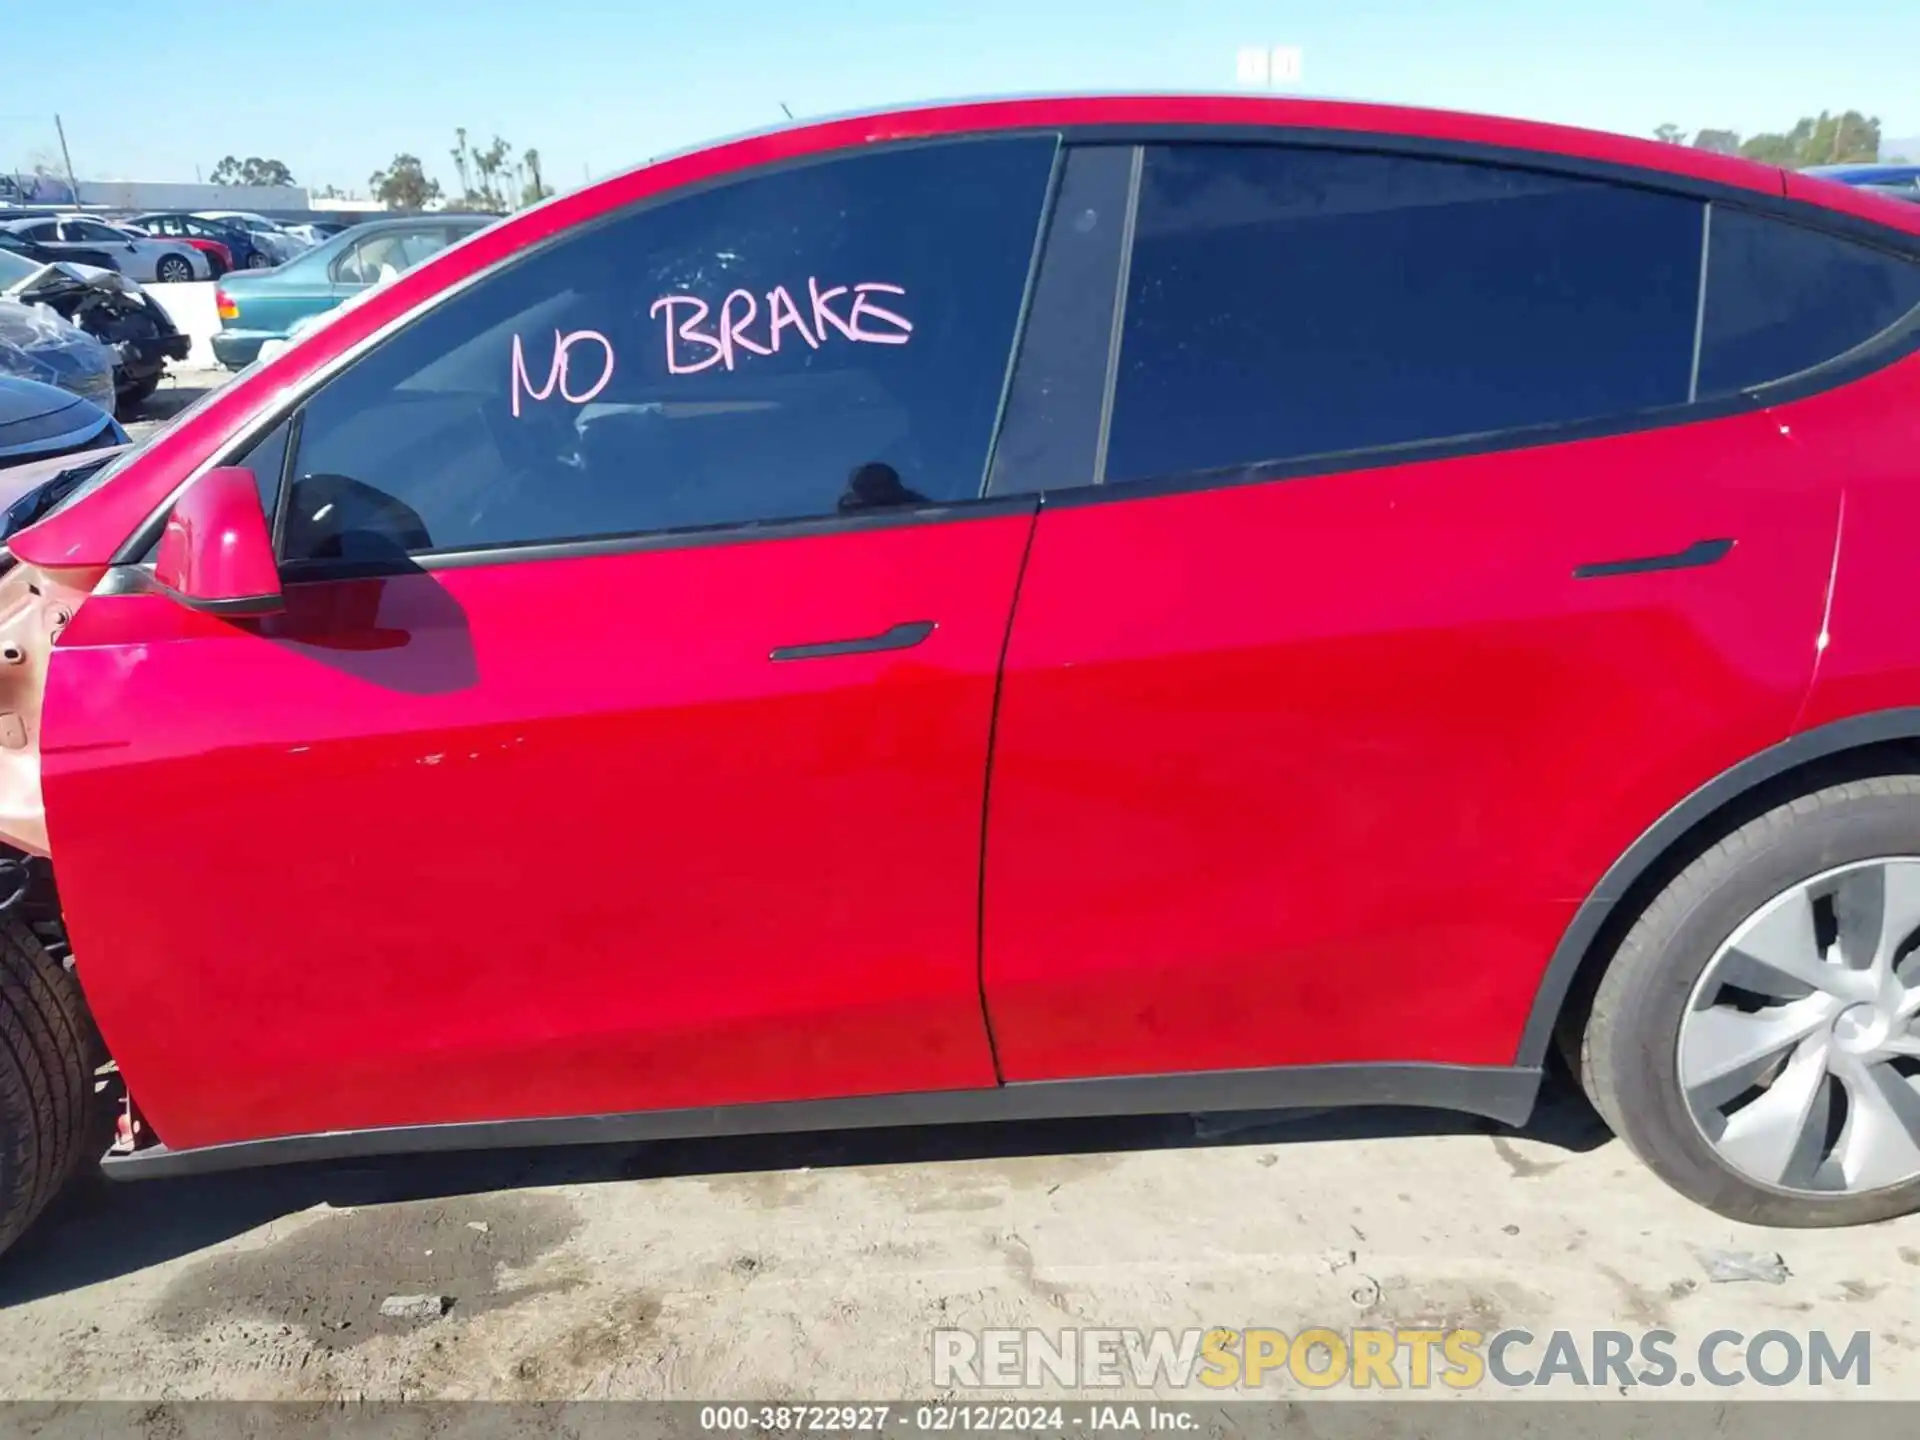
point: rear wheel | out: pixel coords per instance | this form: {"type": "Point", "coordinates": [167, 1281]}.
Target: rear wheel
{"type": "Point", "coordinates": [259, 260]}
{"type": "Point", "coordinates": [1754, 1038]}
{"type": "Point", "coordinates": [45, 1077]}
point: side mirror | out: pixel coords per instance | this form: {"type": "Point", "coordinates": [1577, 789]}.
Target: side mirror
{"type": "Point", "coordinates": [216, 553]}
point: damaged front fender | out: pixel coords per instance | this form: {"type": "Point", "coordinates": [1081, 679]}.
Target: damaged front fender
{"type": "Point", "coordinates": [35, 606]}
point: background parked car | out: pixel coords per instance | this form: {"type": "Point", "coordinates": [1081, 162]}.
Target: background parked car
{"type": "Point", "coordinates": [273, 239]}
{"type": "Point", "coordinates": [1893, 179]}
{"type": "Point", "coordinates": [36, 344]}
{"type": "Point", "coordinates": [178, 225]}
{"type": "Point", "coordinates": [139, 335]}
{"type": "Point", "coordinates": [143, 259]}
{"type": "Point", "coordinates": [257, 308]}
{"type": "Point", "coordinates": [40, 421]}
{"type": "Point", "coordinates": [316, 231]}
{"type": "Point", "coordinates": [13, 244]}
{"type": "Point", "coordinates": [219, 256]}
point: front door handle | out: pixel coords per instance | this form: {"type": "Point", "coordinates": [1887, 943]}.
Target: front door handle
{"type": "Point", "coordinates": [1701, 552]}
{"type": "Point", "coordinates": [901, 637]}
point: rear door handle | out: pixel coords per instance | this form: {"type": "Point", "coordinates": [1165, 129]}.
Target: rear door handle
{"type": "Point", "coordinates": [1700, 552]}
{"type": "Point", "coordinates": [901, 637]}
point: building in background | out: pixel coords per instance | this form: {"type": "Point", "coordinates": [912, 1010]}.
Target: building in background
{"type": "Point", "coordinates": [28, 189]}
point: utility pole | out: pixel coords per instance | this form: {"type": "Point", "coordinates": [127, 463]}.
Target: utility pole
{"type": "Point", "coordinates": [72, 184]}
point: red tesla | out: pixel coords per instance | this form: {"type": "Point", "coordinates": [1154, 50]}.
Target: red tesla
{"type": "Point", "coordinates": [1000, 610]}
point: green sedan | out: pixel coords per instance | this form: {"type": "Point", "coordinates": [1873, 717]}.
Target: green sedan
{"type": "Point", "coordinates": [260, 305]}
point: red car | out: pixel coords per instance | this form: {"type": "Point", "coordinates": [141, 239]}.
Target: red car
{"type": "Point", "coordinates": [1002, 610]}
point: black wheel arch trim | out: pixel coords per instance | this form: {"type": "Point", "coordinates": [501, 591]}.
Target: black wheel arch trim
{"type": "Point", "coordinates": [1823, 742]}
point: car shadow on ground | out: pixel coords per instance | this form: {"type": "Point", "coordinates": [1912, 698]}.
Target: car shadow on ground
{"type": "Point", "coordinates": [106, 1229]}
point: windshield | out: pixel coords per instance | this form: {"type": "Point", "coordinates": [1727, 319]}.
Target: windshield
{"type": "Point", "coordinates": [15, 268]}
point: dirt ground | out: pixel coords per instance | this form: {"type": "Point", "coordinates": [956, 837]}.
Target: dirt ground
{"type": "Point", "coordinates": [818, 1266]}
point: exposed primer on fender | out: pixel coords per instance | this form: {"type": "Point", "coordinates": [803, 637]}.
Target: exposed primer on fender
{"type": "Point", "coordinates": [34, 608]}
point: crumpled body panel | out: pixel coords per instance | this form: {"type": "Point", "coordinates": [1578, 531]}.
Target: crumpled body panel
{"type": "Point", "coordinates": [34, 608]}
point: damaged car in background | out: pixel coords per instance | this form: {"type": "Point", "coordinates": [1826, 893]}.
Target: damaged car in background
{"type": "Point", "coordinates": [138, 334]}
{"type": "Point", "coordinates": [40, 422]}
{"type": "Point", "coordinates": [36, 344]}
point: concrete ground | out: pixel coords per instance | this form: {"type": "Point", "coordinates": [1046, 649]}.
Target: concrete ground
{"type": "Point", "coordinates": [182, 386]}
{"type": "Point", "coordinates": [819, 1266]}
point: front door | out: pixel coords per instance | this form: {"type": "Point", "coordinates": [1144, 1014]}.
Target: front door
{"type": "Point", "coordinates": [622, 745]}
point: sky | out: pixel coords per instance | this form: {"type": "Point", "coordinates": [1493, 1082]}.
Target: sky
{"type": "Point", "coordinates": [336, 89]}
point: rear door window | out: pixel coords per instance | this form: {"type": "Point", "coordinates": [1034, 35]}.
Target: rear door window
{"type": "Point", "coordinates": [1285, 303]}
{"type": "Point", "coordinates": [828, 339]}
{"type": "Point", "coordinates": [1782, 299]}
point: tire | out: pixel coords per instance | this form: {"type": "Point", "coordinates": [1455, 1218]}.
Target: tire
{"type": "Point", "coordinates": [258, 260]}
{"type": "Point", "coordinates": [46, 1050]}
{"type": "Point", "coordinates": [139, 392]}
{"type": "Point", "coordinates": [1629, 1054]}
{"type": "Point", "coordinates": [173, 269]}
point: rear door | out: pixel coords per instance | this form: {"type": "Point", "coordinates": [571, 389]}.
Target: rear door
{"type": "Point", "coordinates": [136, 258]}
{"type": "Point", "coordinates": [1424, 564]}
{"type": "Point", "coordinates": [623, 743]}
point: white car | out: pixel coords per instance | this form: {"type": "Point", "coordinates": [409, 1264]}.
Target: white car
{"type": "Point", "coordinates": [271, 238]}
{"type": "Point", "coordinates": [138, 257]}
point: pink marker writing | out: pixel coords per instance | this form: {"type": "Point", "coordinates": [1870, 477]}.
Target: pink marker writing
{"type": "Point", "coordinates": [560, 369]}
{"type": "Point", "coordinates": [740, 331]}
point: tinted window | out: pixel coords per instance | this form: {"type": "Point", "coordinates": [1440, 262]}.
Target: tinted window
{"type": "Point", "coordinates": [1285, 303]}
{"type": "Point", "coordinates": [267, 459]}
{"type": "Point", "coordinates": [1782, 299]}
{"type": "Point", "coordinates": [383, 255]}
{"type": "Point", "coordinates": [822, 339]}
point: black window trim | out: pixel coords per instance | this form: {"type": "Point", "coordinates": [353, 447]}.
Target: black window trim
{"type": "Point", "coordinates": [246, 434]}
{"type": "Point", "coordinates": [1117, 312]}
{"type": "Point", "coordinates": [1877, 352]}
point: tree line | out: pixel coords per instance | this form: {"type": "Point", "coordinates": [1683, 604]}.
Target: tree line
{"type": "Point", "coordinates": [492, 178]}
{"type": "Point", "coordinates": [1823, 139]}
{"type": "Point", "coordinates": [495, 180]}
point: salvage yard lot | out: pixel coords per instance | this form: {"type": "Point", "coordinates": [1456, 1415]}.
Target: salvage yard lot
{"type": "Point", "coordinates": [817, 1266]}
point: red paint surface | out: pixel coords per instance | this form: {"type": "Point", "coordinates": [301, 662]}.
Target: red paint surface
{"type": "Point", "coordinates": [536, 839]}
{"type": "Point", "coordinates": [1317, 770]}
{"type": "Point", "coordinates": [1291, 772]}
{"type": "Point", "coordinates": [1867, 438]}
{"type": "Point", "coordinates": [215, 545]}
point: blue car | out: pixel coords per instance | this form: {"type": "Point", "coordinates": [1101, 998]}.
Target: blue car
{"type": "Point", "coordinates": [39, 422]}
{"type": "Point", "coordinates": [1902, 180]}
{"type": "Point", "coordinates": [178, 225]}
